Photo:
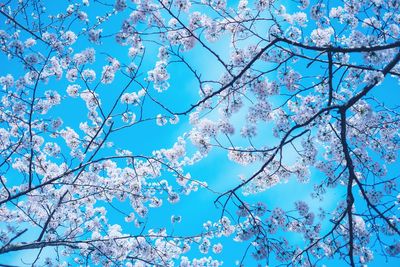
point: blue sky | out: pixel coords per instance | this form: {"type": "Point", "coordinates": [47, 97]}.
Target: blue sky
{"type": "Point", "coordinates": [216, 169]}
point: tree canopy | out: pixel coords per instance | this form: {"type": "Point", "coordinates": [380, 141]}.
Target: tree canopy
{"type": "Point", "coordinates": [279, 119]}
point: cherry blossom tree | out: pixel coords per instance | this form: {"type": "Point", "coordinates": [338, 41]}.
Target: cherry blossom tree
{"type": "Point", "coordinates": [300, 91]}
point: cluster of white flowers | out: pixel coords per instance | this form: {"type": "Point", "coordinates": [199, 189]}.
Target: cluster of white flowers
{"type": "Point", "coordinates": [91, 99]}
{"type": "Point", "coordinates": [176, 152]}
{"type": "Point", "coordinates": [159, 76]}
{"type": "Point", "coordinates": [95, 35]}
{"type": "Point", "coordinates": [88, 75]}
{"type": "Point", "coordinates": [29, 42]}
{"type": "Point", "coordinates": [241, 156]}
{"type": "Point", "coordinates": [108, 73]}
{"type": "Point", "coordinates": [183, 5]}
{"type": "Point", "coordinates": [290, 78]}
{"type": "Point", "coordinates": [69, 37]}
{"type": "Point", "coordinates": [86, 56]}
{"type": "Point", "coordinates": [73, 90]}
{"type": "Point", "coordinates": [262, 182]}
{"type": "Point", "coordinates": [7, 81]}
{"type": "Point", "coordinates": [205, 261]}
{"type": "Point", "coordinates": [322, 37]}
{"type": "Point", "coordinates": [70, 137]}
